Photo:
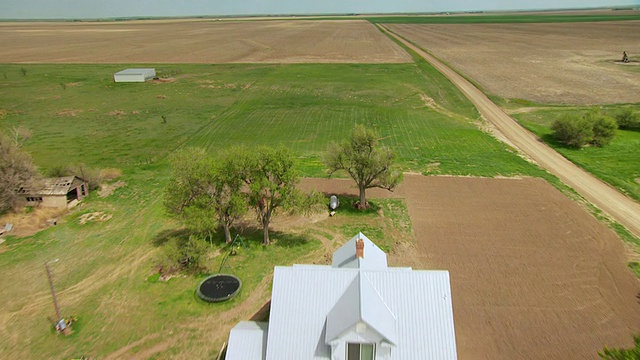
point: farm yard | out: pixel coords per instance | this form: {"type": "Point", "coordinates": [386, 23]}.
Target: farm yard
{"type": "Point", "coordinates": [533, 273]}
{"type": "Point", "coordinates": [566, 63]}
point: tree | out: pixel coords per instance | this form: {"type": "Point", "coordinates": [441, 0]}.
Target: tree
{"type": "Point", "coordinates": [368, 163]}
{"type": "Point", "coordinates": [231, 202]}
{"type": "Point", "coordinates": [271, 178]}
{"type": "Point", "coordinates": [575, 131]}
{"type": "Point", "coordinates": [16, 170]}
{"type": "Point", "coordinates": [205, 193]}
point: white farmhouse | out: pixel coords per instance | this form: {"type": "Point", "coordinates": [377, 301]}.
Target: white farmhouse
{"type": "Point", "coordinates": [134, 75]}
{"type": "Point", "coordinates": [356, 309]}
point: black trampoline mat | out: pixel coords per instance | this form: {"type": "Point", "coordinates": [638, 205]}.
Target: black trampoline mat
{"type": "Point", "coordinates": [219, 287]}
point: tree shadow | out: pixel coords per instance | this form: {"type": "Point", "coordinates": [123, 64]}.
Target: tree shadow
{"type": "Point", "coordinates": [348, 205]}
{"type": "Point", "coordinates": [550, 140]}
{"type": "Point", "coordinates": [163, 236]}
{"type": "Point", "coordinates": [287, 240]}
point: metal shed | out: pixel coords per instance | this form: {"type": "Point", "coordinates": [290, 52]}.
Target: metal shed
{"type": "Point", "coordinates": [134, 75]}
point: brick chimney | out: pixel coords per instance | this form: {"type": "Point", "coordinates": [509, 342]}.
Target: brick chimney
{"type": "Point", "coordinates": [360, 249]}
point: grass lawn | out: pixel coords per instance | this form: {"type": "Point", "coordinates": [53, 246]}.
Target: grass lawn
{"type": "Point", "coordinates": [616, 163]}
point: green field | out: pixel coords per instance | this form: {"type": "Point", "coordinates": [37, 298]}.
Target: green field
{"type": "Point", "coordinates": [617, 163]}
{"type": "Point", "coordinates": [77, 114]}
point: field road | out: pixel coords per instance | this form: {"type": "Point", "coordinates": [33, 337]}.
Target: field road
{"type": "Point", "coordinates": [619, 207]}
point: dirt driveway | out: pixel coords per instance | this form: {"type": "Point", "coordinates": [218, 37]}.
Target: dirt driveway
{"type": "Point", "coordinates": [620, 207]}
{"type": "Point", "coordinates": [533, 274]}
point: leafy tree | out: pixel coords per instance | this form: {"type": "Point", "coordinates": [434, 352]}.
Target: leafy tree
{"type": "Point", "coordinates": [627, 119]}
{"type": "Point", "coordinates": [367, 162]}
{"type": "Point", "coordinates": [271, 178]}
{"type": "Point", "coordinates": [231, 202]}
{"type": "Point", "coordinates": [622, 354]}
{"type": "Point", "coordinates": [16, 170]}
{"type": "Point", "coordinates": [205, 193]}
{"type": "Point", "coordinates": [576, 131]}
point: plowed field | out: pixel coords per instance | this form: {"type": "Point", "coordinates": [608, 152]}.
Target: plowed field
{"type": "Point", "coordinates": [570, 63]}
{"type": "Point", "coordinates": [140, 42]}
{"type": "Point", "coordinates": [533, 275]}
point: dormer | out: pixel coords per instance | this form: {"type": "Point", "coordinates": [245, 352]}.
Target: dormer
{"type": "Point", "coordinates": [367, 257]}
{"type": "Point", "coordinates": [360, 326]}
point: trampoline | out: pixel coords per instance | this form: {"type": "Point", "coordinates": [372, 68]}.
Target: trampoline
{"type": "Point", "coordinates": [219, 287]}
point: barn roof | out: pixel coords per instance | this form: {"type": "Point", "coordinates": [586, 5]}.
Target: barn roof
{"type": "Point", "coordinates": [52, 186]}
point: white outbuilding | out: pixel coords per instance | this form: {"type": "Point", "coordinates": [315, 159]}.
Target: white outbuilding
{"type": "Point", "coordinates": [134, 75]}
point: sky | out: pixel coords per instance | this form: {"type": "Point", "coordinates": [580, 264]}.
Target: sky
{"type": "Point", "coordinates": [91, 9]}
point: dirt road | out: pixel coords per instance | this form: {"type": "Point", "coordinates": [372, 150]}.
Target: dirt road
{"type": "Point", "coordinates": [618, 206]}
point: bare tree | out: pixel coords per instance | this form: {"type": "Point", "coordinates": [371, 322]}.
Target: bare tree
{"type": "Point", "coordinates": [16, 170]}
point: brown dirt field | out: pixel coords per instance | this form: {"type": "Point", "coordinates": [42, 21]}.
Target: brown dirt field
{"type": "Point", "coordinates": [533, 274]}
{"type": "Point", "coordinates": [356, 41]}
{"type": "Point", "coordinates": [616, 205]}
{"type": "Point", "coordinates": [568, 63]}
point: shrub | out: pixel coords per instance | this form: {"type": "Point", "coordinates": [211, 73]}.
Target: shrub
{"type": "Point", "coordinates": [628, 120]}
{"type": "Point", "coordinates": [604, 129]}
{"type": "Point", "coordinates": [592, 128]}
{"type": "Point", "coordinates": [576, 131]}
{"type": "Point", "coordinates": [183, 254]}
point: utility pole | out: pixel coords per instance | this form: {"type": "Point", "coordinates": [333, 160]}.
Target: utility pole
{"type": "Point", "coordinates": [53, 290]}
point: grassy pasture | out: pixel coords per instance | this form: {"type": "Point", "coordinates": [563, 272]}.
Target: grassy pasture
{"type": "Point", "coordinates": [616, 163]}
{"type": "Point", "coordinates": [76, 114]}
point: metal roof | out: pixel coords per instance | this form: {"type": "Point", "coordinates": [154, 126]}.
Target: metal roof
{"type": "Point", "coordinates": [147, 71]}
{"type": "Point", "coordinates": [419, 300]}
{"type": "Point", "coordinates": [248, 340]}
{"type": "Point", "coordinates": [313, 306]}
{"type": "Point", "coordinates": [52, 186]}
{"type": "Point", "coordinates": [361, 303]}
{"type": "Point", "coordinates": [374, 258]}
